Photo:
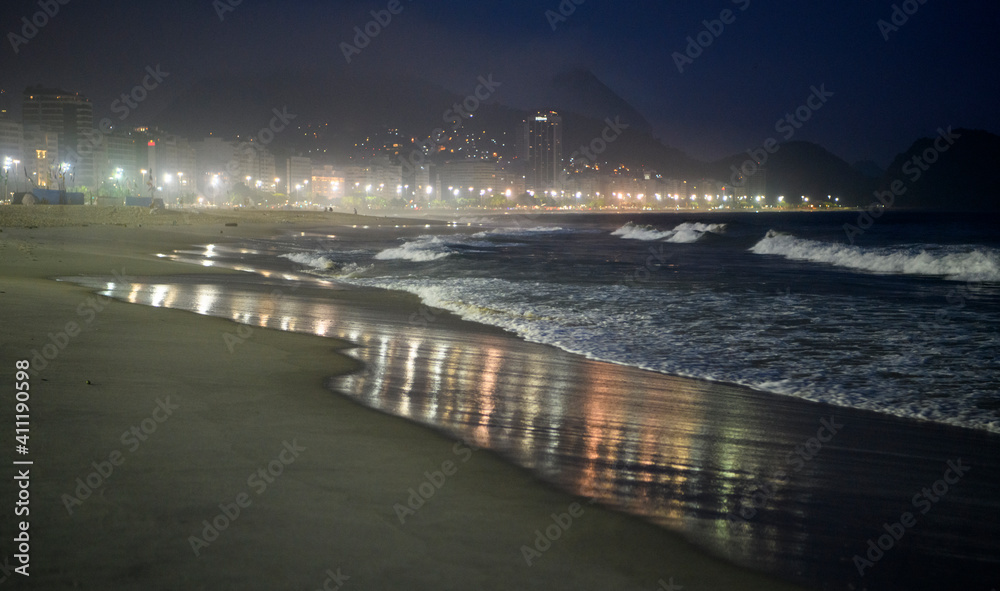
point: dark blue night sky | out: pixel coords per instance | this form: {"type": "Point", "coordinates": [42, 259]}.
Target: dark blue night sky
{"type": "Point", "coordinates": [938, 68]}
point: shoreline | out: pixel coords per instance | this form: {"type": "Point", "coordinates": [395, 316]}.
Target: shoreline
{"type": "Point", "coordinates": [332, 511]}
{"type": "Point", "coordinates": [436, 376]}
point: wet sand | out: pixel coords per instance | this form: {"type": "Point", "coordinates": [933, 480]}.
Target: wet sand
{"type": "Point", "coordinates": [177, 427]}
{"type": "Point", "coordinates": [778, 484]}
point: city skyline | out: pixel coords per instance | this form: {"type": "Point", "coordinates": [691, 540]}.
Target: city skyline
{"type": "Point", "coordinates": [466, 167]}
{"type": "Point", "coordinates": [699, 84]}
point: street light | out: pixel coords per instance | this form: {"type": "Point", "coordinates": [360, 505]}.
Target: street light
{"type": "Point", "coordinates": [6, 166]}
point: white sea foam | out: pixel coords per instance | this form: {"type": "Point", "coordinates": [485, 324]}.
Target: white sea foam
{"type": "Point", "coordinates": [314, 260]}
{"type": "Point", "coordinates": [423, 249]}
{"type": "Point", "coordinates": [516, 231]}
{"type": "Point", "coordinates": [957, 263]}
{"type": "Point", "coordinates": [632, 231]}
{"type": "Point", "coordinates": [684, 233]}
{"type": "Point", "coordinates": [755, 340]}
{"type": "Point", "coordinates": [326, 266]}
{"type": "Point", "coordinates": [692, 231]}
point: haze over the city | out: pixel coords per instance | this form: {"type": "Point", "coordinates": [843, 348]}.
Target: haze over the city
{"type": "Point", "coordinates": [890, 83]}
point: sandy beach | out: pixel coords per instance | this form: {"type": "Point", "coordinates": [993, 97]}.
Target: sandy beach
{"type": "Point", "coordinates": [165, 459]}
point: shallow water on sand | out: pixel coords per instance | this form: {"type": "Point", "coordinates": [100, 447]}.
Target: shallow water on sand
{"type": "Point", "coordinates": [780, 484]}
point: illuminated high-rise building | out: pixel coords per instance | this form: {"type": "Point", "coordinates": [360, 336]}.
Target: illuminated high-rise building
{"type": "Point", "coordinates": [540, 149]}
{"type": "Point", "coordinates": [71, 116]}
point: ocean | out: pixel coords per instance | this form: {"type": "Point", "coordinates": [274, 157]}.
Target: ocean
{"type": "Point", "coordinates": [903, 321]}
{"type": "Point", "coordinates": [835, 373]}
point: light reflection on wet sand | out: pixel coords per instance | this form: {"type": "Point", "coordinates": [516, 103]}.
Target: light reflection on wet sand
{"type": "Point", "coordinates": [682, 453]}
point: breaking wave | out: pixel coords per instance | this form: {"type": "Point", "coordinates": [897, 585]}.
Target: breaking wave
{"type": "Point", "coordinates": [516, 231]}
{"type": "Point", "coordinates": [432, 248]}
{"type": "Point", "coordinates": [326, 264]}
{"type": "Point", "coordinates": [683, 233]}
{"type": "Point", "coordinates": [957, 263]}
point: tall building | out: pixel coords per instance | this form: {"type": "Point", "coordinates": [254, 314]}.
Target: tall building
{"type": "Point", "coordinates": [540, 148]}
{"type": "Point", "coordinates": [41, 158]}
{"type": "Point", "coordinates": [69, 114]}
{"type": "Point", "coordinates": [255, 165]}
{"type": "Point", "coordinates": [384, 177]}
{"type": "Point", "coordinates": [327, 182]}
{"type": "Point", "coordinates": [11, 141]}
{"type": "Point", "coordinates": [119, 153]}
{"type": "Point", "coordinates": [172, 160]}
{"type": "Point", "coordinates": [298, 176]}
{"type": "Point", "coordinates": [463, 175]}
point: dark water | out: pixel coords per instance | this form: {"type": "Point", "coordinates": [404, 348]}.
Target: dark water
{"type": "Point", "coordinates": [767, 480]}
{"type": "Point", "coordinates": [904, 322]}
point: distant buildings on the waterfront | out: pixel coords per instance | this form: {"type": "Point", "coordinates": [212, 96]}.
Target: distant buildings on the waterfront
{"type": "Point", "coordinates": [540, 148]}
{"type": "Point", "coordinates": [56, 144]}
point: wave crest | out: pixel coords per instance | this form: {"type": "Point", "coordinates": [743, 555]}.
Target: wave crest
{"type": "Point", "coordinates": [684, 233]}
{"type": "Point", "coordinates": [956, 263]}
{"type": "Point", "coordinates": [423, 249]}
{"type": "Point", "coordinates": [329, 266]}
